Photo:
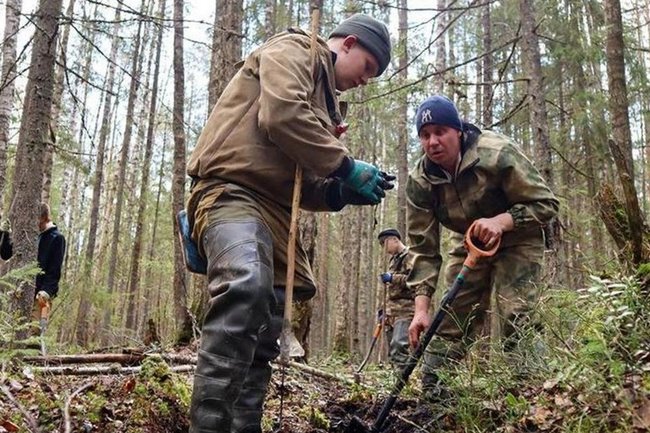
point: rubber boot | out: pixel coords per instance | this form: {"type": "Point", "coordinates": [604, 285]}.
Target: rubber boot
{"type": "Point", "coordinates": [240, 275]}
{"type": "Point", "coordinates": [248, 409]}
{"type": "Point", "coordinates": [398, 351]}
{"type": "Point", "coordinates": [438, 354]}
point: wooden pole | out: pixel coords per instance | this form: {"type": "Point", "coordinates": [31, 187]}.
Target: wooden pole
{"type": "Point", "coordinates": [287, 330]}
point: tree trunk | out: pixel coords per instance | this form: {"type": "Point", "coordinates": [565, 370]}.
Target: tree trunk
{"type": "Point", "coordinates": [269, 18]}
{"type": "Point", "coordinates": [532, 66]}
{"type": "Point", "coordinates": [622, 141]}
{"type": "Point", "coordinates": [226, 46]}
{"type": "Point", "coordinates": [131, 322]}
{"type": "Point", "coordinates": [320, 335]}
{"type": "Point", "coordinates": [341, 341]}
{"type": "Point", "coordinates": [121, 179]}
{"type": "Point", "coordinates": [440, 58]}
{"type": "Point", "coordinates": [84, 303]}
{"type": "Point", "coordinates": [403, 124]}
{"type": "Point", "coordinates": [32, 140]}
{"type": "Point", "coordinates": [487, 66]}
{"type": "Point", "coordinates": [48, 160]}
{"type": "Point", "coordinates": [183, 319]}
{"type": "Point", "coordinates": [7, 85]}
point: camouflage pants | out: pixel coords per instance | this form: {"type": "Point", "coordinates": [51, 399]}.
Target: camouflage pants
{"type": "Point", "coordinates": [512, 274]}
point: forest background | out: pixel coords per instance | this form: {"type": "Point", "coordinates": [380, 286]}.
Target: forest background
{"type": "Point", "coordinates": [102, 100]}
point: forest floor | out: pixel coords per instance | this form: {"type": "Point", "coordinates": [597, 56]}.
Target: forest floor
{"type": "Point", "coordinates": [584, 369]}
{"type": "Point", "coordinates": [156, 400]}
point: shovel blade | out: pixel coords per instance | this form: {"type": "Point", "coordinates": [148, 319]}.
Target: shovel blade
{"type": "Point", "coordinates": [357, 425]}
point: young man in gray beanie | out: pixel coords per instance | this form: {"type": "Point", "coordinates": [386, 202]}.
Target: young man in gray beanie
{"type": "Point", "coordinates": [278, 112]}
{"type": "Point", "coordinates": [467, 175]}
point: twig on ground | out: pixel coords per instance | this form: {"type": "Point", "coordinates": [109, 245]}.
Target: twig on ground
{"type": "Point", "coordinates": [32, 425]}
{"type": "Point", "coordinates": [409, 422]}
{"type": "Point", "coordinates": [66, 409]}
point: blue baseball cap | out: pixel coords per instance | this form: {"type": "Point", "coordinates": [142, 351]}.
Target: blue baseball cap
{"type": "Point", "coordinates": [438, 110]}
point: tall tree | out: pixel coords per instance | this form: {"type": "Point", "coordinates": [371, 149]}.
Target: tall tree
{"type": "Point", "coordinates": [32, 140]}
{"type": "Point", "coordinates": [486, 67]}
{"type": "Point", "coordinates": [121, 175]}
{"type": "Point", "coordinates": [131, 322]}
{"type": "Point", "coordinates": [402, 139]}
{"type": "Point", "coordinates": [7, 84]}
{"type": "Point", "coordinates": [536, 96]}
{"type": "Point", "coordinates": [56, 103]}
{"type": "Point", "coordinates": [226, 46]}
{"type": "Point", "coordinates": [83, 311]}
{"type": "Point", "coordinates": [621, 145]}
{"type": "Point", "coordinates": [183, 319]}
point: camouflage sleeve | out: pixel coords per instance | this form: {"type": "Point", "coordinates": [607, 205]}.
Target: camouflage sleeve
{"type": "Point", "coordinates": [424, 239]}
{"type": "Point", "coordinates": [532, 201]}
{"type": "Point", "coordinates": [399, 279]}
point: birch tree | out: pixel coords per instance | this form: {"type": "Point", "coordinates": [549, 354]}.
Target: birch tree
{"type": "Point", "coordinates": [7, 84]}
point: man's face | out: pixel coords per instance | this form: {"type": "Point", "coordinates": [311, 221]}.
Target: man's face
{"type": "Point", "coordinates": [354, 65]}
{"type": "Point", "coordinates": [441, 144]}
{"type": "Point", "coordinates": [390, 244]}
{"type": "Point", "coordinates": [42, 223]}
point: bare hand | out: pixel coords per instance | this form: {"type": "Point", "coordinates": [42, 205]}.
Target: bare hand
{"type": "Point", "coordinates": [489, 230]}
{"type": "Point", "coordinates": [420, 322]}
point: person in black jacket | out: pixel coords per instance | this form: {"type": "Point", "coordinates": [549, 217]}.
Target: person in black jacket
{"type": "Point", "coordinates": [51, 250]}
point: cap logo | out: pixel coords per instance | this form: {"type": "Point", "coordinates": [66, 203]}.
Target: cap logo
{"type": "Point", "coordinates": [426, 116]}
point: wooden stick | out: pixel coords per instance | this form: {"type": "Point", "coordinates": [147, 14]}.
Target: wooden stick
{"type": "Point", "coordinates": [315, 372]}
{"type": "Point", "coordinates": [287, 329]}
{"type": "Point", "coordinates": [66, 409]}
{"type": "Point", "coordinates": [32, 425]}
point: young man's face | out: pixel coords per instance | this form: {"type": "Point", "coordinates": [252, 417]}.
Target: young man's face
{"type": "Point", "coordinates": [391, 244]}
{"type": "Point", "coordinates": [354, 65]}
{"type": "Point", "coordinates": [441, 144]}
{"type": "Point", "coordinates": [42, 223]}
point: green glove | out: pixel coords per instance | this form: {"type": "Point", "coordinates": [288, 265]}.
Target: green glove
{"type": "Point", "coordinates": [366, 180]}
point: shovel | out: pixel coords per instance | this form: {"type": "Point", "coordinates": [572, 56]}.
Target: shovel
{"type": "Point", "coordinates": [474, 253]}
{"type": "Point", "coordinates": [375, 337]}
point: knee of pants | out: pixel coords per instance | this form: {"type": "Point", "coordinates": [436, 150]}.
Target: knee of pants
{"type": "Point", "coordinates": [240, 273]}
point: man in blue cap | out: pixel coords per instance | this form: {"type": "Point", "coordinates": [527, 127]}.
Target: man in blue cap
{"type": "Point", "coordinates": [467, 175]}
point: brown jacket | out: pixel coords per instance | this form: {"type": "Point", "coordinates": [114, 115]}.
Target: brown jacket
{"type": "Point", "coordinates": [273, 115]}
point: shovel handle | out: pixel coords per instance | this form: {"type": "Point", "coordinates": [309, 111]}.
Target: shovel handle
{"type": "Point", "coordinates": [474, 252]}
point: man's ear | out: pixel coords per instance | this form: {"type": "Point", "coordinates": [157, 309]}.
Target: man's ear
{"type": "Point", "coordinates": [349, 42]}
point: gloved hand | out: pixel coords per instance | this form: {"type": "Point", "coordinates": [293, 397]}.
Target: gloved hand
{"type": "Point", "coordinates": [386, 277]}
{"type": "Point", "coordinates": [368, 181]}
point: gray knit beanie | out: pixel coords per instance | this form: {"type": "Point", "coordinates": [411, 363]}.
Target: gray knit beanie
{"type": "Point", "coordinates": [372, 34]}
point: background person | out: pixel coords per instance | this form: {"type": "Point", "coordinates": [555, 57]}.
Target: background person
{"type": "Point", "coordinates": [399, 299]}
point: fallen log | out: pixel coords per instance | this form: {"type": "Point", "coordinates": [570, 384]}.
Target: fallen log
{"type": "Point", "coordinates": [99, 358]}
{"type": "Point", "coordinates": [101, 370]}
{"type": "Point", "coordinates": [57, 364]}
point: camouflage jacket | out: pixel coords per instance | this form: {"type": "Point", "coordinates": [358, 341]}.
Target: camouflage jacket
{"type": "Point", "coordinates": [400, 296]}
{"type": "Point", "coordinates": [494, 177]}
